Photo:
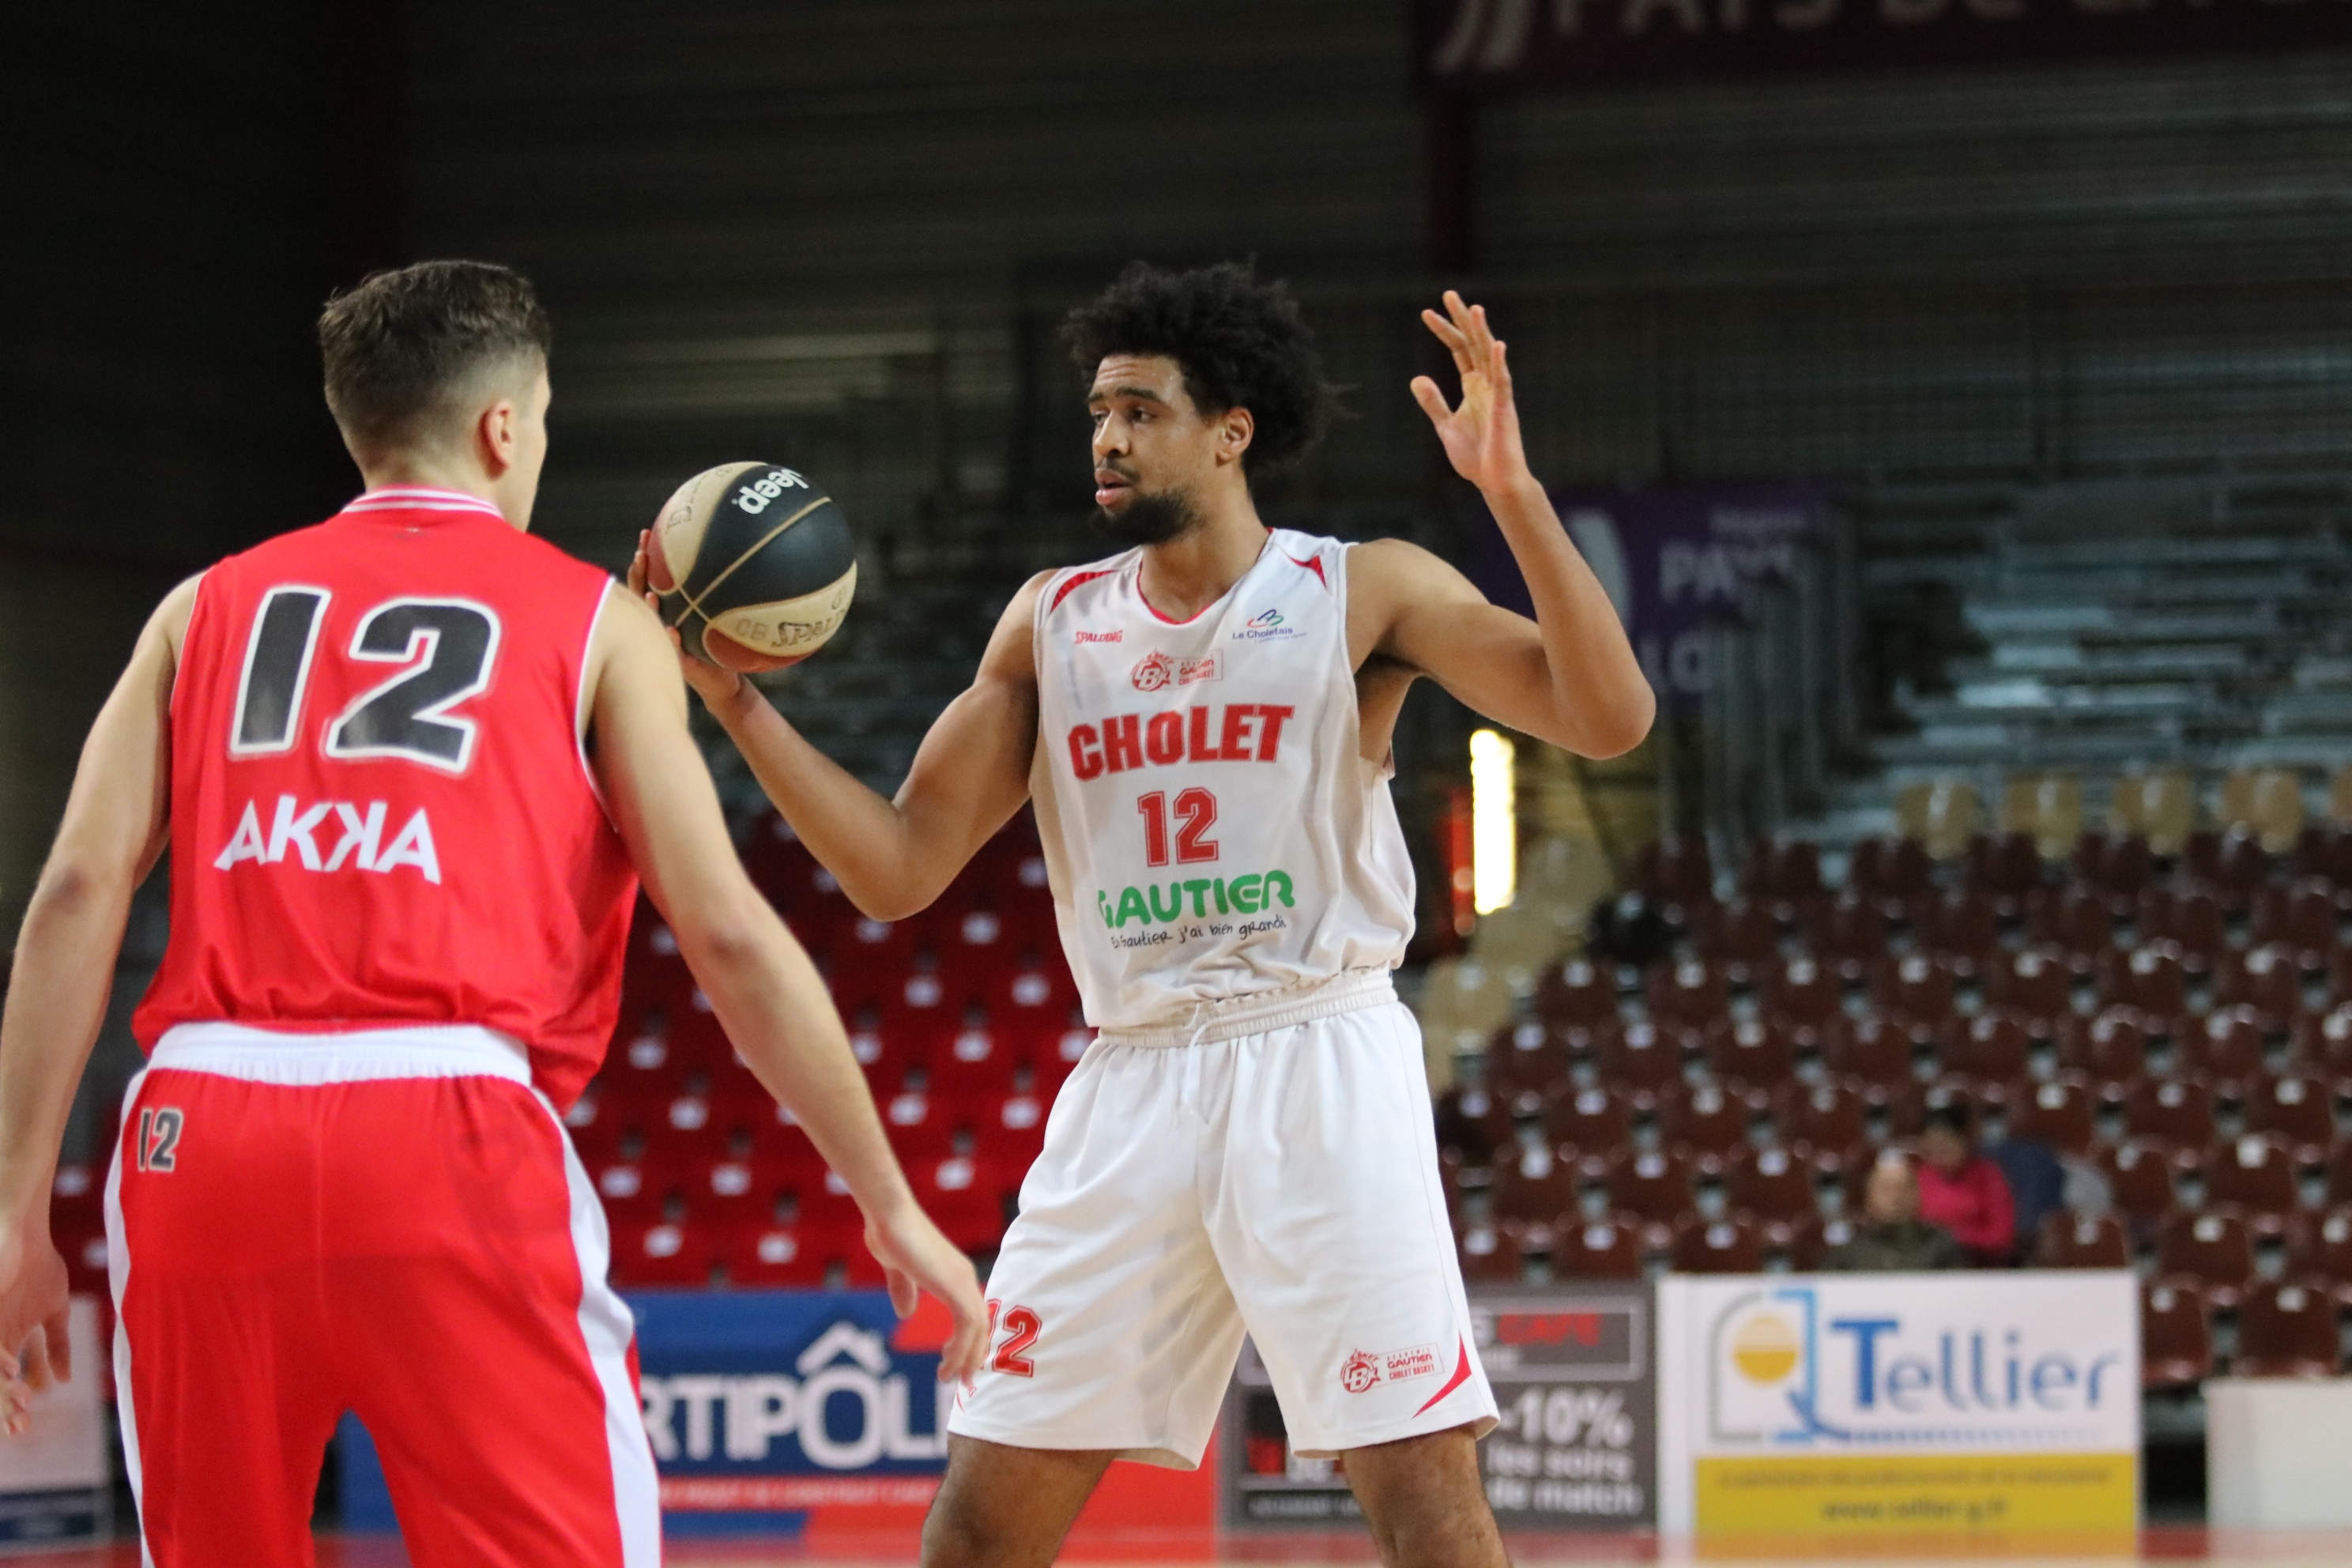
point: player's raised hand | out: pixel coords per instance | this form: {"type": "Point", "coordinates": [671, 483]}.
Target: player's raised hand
{"type": "Point", "coordinates": [916, 1257]}
{"type": "Point", "coordinates": [711, 683]}
{"type": "Point", "coordinates": [1481, 434]}
{"type": "Point", "coordinates": [33, 1351]}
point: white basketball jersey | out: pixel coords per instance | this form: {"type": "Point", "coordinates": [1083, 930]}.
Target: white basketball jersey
{"type": "Point", "coordinates": [1211, 827]}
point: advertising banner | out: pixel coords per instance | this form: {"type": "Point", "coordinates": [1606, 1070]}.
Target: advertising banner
{"type": "Point", "coordinates": [56, 1481]}
{"type": "Point", "coordinates": [1864, 1404]}
{"type": "Point", "coordinates": [1669, 560]}
{"type": "Point", "coordinates": [1575, 1448]}
{"type": "Point", "coordinates": [1469, 44]}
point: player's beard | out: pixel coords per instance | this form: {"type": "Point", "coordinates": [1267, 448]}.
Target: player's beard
{"type": "Point", "coordinates": [1153, 517]}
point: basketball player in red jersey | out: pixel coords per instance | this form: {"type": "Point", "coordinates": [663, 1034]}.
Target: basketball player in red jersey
{"type": "Point", "coordinates": [409, 764]}
{"type": "Point", "coordinates": [1203, 723]}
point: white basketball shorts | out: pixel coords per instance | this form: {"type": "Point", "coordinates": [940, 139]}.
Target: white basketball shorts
{"type": "Point", "coordinates": [1282, 1182]}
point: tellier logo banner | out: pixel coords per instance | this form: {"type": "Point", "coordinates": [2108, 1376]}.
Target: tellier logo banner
{"type": "Point", "coordinates": [1900, 1402]}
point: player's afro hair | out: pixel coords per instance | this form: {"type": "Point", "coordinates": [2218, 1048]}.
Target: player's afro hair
{"type": "Point", "coordinates": [1239, 339]}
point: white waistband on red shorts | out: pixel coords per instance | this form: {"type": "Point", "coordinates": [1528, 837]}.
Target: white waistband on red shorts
{"type": "Point", "coordinates": [1259, 1012]}
{"type": "Point", "coordinates": [352, 1056]}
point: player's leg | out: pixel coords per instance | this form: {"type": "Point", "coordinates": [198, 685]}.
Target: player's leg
{"type": "Point", "coordinates": [223, 1377]}
{"type": "Point", "coordinates": [1115, 1334]}
{"type": "Point", "coordinates": [1425, 1501]}
{"type": "Point", "coordinates": [488, 1356]}
{"type": "Point", "coordinates": [1331, 1224]}
{"type": "Point", "coordinates": [1003, 1507]}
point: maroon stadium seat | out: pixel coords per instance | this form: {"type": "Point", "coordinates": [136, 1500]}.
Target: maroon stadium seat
{"type": "Point", "coordinates": [1991, 1048]}
{"type": "Point", "coordinates": [1476, 1123]}
{"type": "Point", "coordinates": [2109, 1050]}
{"type": "Point", "coordinates": [1822, 1120]}
{"type": "Point", "coordinates": [1893, 871]}
{"type": "Point", "coordinates": [2319, 1249]}
{"type": "Point", "coordinates": [2324, 1045]}
{"type": "Point", "coordinates": [1755, 1052]}
{"type": "Point", "coordinates": [1962, 927]}
{"type": "Point", "coordinates": [2140, 1177]}
{"type": "Point", "coordinates": [1914, 987]}
{"type": "Point", "coordinates": [1533, 1188]}
{"type": "Point", "coordinates": [2176, 1336]}
{"type": "Point", "coordinates": [1525, 1068]}
{"type": "Point", "coordinates": [2006, 866]}
{"type": "Point", "coordinates": [1640, 1062]}
{"type": "Point", "coordinates": [1870, 1051]}
{"type": "Point", "coordinates": [1708, 1124]}
{"type": "Point", "coordinates": [1594, 1250]}
{"type": "Point", "coordinates": [1690, 992]}
{"type": "Point", "coordinates": [1490, 1255]}
{"type": "Point", "coordinates": [2296, 1108]}
{"type": "Point", "coordinates": [2175, 1112]}
{"type": "Point", "coordinates": [1907, 1108]}
{"type": "Point", "coordinates": [1850, 936]}
{"type": "Point", "coordinates": [2254, 1175]}
{"type": "Point", "coordinates": [2194, 921]}
{"type": "Point", "coordinates": [2149, 979]}
{"type": "Point", "coordinates": [1772, 1189]}
{"type": "Point", "coordinates": [1578, 992]}
{"type": "Point", "coordinates": [2119, 867]}
{"type": "Point", "coordinates": [2060, 1114]}
{"type": "Point", "coordinates": [1811, 1240]}
{"type": "Point", "coordinates": [1653, 1189]}
{"type": "Point", "coordinates": [1716, 1247]}
{"type": "Point", "coordinates": [1787, 873]}
{"type": "Point", "coordinates": [1804, 996]}
{"type": "Point", "coordinates": [1740, 938]}
{"type": "Point", "coordinates": [2300, 919]}
{"type": "Point", "coordinates": [2032, 982]}
{"type": "Point", "coordinates": [2286, 1329]}
{"type": "Point", "coordinates": [2076, 922]}
{"type": "Point", "coordinates": [2264, 980]}
{"type": "Point", "coordinates": [2339, 1173]}
{"type": "Point", "coordinates": [2084, 1241]}
{"type": "Point", "coordinates": [2209, 1250]}
{"type": "Point", "coordinates": [1674, 871]}
{"type": "Point", "coordinates": [1592, 1125]}
{"type": "Point", "coordinates": [2323, 856]}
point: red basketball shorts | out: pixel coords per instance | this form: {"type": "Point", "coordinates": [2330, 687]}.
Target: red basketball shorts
{"type": "Point", "coordinates": [391, 1223]}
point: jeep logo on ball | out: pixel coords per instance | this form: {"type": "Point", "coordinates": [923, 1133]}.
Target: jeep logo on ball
{"type": "Point", "coordinates": [754, 496]}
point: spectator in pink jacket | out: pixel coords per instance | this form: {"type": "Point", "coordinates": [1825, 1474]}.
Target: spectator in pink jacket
{"type": "Point", "coordinates": [1962, 1191]}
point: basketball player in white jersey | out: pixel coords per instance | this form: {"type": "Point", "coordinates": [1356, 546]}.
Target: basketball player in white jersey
{"type": "Point", "coordinates": [1204, 722]}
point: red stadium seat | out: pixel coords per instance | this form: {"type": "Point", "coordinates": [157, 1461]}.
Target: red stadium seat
{"type": "Point", "coordinates": [1688, 992]}
{"type": "Point", "coordinates": [1850, 936]}
{"type": "Point", "coordinates": [2263, 980]}
{"type": "Point", "coordinates": [2139, 1176]}
{"type": "Point", "coordinates": [1740, 939]}
{"type": "Point", "coordinates": [663, 1254]}
{"type": "Point", "coordinates": [1811, 1241]}
{"type": "Point", "coordinates": [1533, 1189]}
{"type": "Point", "coordinates": [1716, 1247]}
{"type": "Point", "coordinates": [2297, 1108]}
{"type": "Point", "coordinates": [773, 1256]}
{"type": "Point", "coordinates": [1914, 987]}
{"type": "Point", "coordinates": [2007, 867]}
{"type": "Point", "coordinates": [1640, 1062]}
{"type": "Point", "coordinates": [1596, 1249]}
{"type": "Point", "coordinates": [2109, 1050]}
{"type": "Point", "coordinates": [1476, 1124]}
{"type": "Point", "coordinates": [1788, 874]}
{"type": "Point", "coordinates": [2060, 1114]}
{"type": "Point", "coordinates": [1010, 1129]}
{"type": "Point", "coordinates": [1674, 871]}
{"type": "Point", "coordinates": [2255, 1176]}
{"type": "Point", "coordinates": [1821, 1122]}
{"type": "Point", "coordinates": [1772, 1190]}
{"type": "Point", "coordinates": [917, 1126]}
{"type": "Point", "coordinates": [1963, 929]}
{"type": "Point", "coordinates": [2339, 1173]}
{"type": "Point", "coordinates": [2076, 922]}
{"type": "Point", "coordinates": [1577, 993]}
{"type": "Point", "coordinates": [1525, 1067]}
{"type": "Point", "coordinates": [964, 1197]}
{"type": "Point", "coordinates": [2149, 979]}
{"type": "Point", "coordinates": [2301, 921]}
{"type": "Point", "coordinates": [2194, 921]}
{"type": "Point", "coordinates": [2176, 1336]}
{"type": "Point", "coordinates": [1590, 1125]}
{"type": "Point", "coordinates": [1752, 1052]}
{"type": "Point", "coordinates": [1804, 997]}
{"type": "Point", "coordinates": [1708, 1125]}
{"type": "Point", "coordinates": [2033, 983]}
{"type": "Point", "coordinates": [2323, 856]}
{"type": "Point", "coordinates": [1491, 1256]}
{"type": "Point", "coordinates": [2324, 1045]}
{"type": "Point", "coordinates": [2175, 1112]}
{"type": "Point", "coordinates": [2210, 1251]}
{"type": "Point", "coordinates": [1907, 1110]}
{"type": "Point", "coordinates": [631, 1192]}
{"type": "Point", "coordinates": [1989, 1051]}
{"type": "Point", "coordinates": [1653, 1189]}
{"type": "Point", "coordinates": [1871, 1052]}
{"type": "Point", "coordinates": [2119, 867]}
{"type": "Point", "coordinates": [1893, 871]}
{"type": "Point", "coordinates": [2319, 1250]}
{"type": "Point", "coordinates": [2084, 1241]}
{"type": "Point", "coordinates": [728, 1195]}
{"type": "Point", "coordinates": [2286, 1329]}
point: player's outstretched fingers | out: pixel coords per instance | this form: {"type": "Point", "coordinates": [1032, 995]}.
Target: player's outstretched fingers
{"type": "Point", "coordinates": [37, 1370]}
{"type": "Point", "coordinates": [960, 1362]}
{"type": "Point", "coordinates": [1431, 400]}
{"type": "Point", "coordinates": [637, 563]}
{"type": "Point", "coordinates": [59, 1345]}
{"type": "Point", "coordinates": [905, 1294]}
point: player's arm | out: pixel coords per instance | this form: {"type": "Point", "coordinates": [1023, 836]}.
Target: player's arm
{"type": "Point", "coordinates": [116, 822]}
{"type": "Point", "coordinates": [893, 858]}
{"type": "Point", "coordinates": [761, 984]}
{"type": "Point", "coordinates": [1570, 676]}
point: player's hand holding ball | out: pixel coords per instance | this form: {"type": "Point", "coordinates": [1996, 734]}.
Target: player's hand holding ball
{"type": "Point", "coordinates": [751, 567]}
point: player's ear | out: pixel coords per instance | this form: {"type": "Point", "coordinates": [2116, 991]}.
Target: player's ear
{"type": "Point", "coordinates": [1235, 430]}
{"type": "Point", "coordinates": [497, 435]}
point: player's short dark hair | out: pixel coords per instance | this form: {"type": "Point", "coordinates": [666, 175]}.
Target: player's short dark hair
{"type": "Point", "coordinates": [404, 344]}
{"type": "Point", "coordinates": [1952, 1117]}
{"type": "Point", "coordinates": [1239, 339]}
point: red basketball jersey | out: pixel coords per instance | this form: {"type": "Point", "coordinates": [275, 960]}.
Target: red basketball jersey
{"type": "Point", "coordinates": [380, 811]}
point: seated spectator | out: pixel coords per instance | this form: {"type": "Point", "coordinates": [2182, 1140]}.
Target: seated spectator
{"type": "Point", "coordinates": [2038, 1183]}
{"type": "Point", "coordinates": [1892, 1238]}
{"type": "Point", "coordinates": [1962, 1191]}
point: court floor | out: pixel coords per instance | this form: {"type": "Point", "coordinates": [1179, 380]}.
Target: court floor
{"type": "Point", "coordinates": [2171, 1545]}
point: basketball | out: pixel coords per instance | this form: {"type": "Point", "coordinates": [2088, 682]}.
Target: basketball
{"type": "Point", "coordinates": [753, 565]}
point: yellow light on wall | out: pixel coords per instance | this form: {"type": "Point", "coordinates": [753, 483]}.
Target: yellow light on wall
{"type": "Point", "coordinates": [1493, 822]}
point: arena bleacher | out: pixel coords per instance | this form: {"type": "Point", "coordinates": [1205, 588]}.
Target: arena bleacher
{"type": "Point", "coordinates": [2174, 1014]}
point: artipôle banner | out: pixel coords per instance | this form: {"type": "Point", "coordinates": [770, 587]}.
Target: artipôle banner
{"type": "Point", "coordinates": [1472, 44]}
{"type": "Point", "coordinates": [1669, 560]}
{"type": "Point", "coordinates": [1996, 1404]}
